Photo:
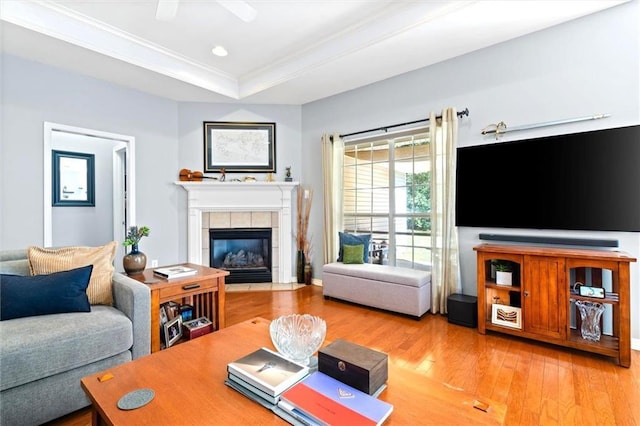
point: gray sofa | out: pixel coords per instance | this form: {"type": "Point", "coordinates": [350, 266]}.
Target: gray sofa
{"type": "Point", "coordinates": [392, 288]}
{"type": "Point", "coordinates": [43, 358]}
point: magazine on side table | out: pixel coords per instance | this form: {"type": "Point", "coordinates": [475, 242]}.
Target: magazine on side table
{"type": "Point", "coordinates": [174, 272]}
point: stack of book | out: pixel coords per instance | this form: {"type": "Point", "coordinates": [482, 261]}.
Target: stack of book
{"type": "Point", "coordinates": [300, 397]}
{"type": "Point", "coordinates": [320, 399]}
{"type": "Point", "coordinates": [264, 375]}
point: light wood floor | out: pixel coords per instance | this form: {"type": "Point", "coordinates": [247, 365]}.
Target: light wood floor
{"type": "Point", "coordinates": [540, 384]}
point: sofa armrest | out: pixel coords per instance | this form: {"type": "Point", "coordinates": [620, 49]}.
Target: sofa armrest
{"type": "Point", "coordinates": [134, 300]}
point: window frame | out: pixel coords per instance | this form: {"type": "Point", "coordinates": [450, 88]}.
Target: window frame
{"type": "Point", "coordinates": [353, 220]}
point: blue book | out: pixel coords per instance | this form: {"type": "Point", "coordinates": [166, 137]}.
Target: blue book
{"type": "Point", "coordinates": [329, 401]}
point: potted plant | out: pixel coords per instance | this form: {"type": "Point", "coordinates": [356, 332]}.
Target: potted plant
{"type": "Point", "coordinates": [135, 261]}
{"type": "Point", "coordinates": [504, 272]}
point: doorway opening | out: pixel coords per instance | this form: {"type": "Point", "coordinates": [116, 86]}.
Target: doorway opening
{"type": "Point", "coordinates": [118, 206]}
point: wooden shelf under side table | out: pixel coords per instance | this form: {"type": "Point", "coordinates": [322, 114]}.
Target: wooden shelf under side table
{"type": "Point", "coordinates": [204, 291]}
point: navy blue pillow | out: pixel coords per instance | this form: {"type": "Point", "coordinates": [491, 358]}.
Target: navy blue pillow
{"type": "Point", "coordinates": [57, 293]}
{"type": "Point", "coordinates": [354, 240]}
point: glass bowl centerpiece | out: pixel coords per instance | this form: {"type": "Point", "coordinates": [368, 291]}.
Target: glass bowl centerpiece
{"type": "Point", "coordinates": [298, 336]}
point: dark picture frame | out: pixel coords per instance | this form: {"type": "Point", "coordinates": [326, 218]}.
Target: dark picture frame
{"type": "Point", "coordinates": [73, 179]}
{"type": "Point", "coordinates": [172, 331]}
{"type": "Point", "coordinates": [239, 147]}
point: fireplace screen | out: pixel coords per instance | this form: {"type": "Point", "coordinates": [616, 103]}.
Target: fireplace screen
{"type": "Point", "coordinates": [244, 252]}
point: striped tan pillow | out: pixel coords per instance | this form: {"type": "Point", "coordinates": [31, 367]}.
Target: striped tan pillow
{"type": "Point", "coordinates": [47, 261]}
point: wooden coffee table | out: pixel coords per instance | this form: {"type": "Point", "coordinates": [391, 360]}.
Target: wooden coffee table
{"type": "Point", "coordinates": [188, 381]}
{"type": "Point", "coordinates": [204, 291]}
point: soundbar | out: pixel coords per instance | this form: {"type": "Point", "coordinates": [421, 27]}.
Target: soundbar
{"type": "Point", "coordinates": [590, 242]}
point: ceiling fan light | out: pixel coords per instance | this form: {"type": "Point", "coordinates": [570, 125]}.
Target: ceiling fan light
{"type": "Point", "coordinates": [241, 9]}
{"type": "Point", "coordinates": [219, 51]}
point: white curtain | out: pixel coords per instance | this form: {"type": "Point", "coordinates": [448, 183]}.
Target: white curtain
{"type": "Point", "coordinates": [445, 272]}
{"type": "Point", "coordinates": [332, 159]}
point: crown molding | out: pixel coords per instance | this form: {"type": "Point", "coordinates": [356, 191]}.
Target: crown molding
{"type": "Point", "coordinates": [394, 20]}
{"type": "Point", "coordinates": [72, 27]}
{"type": "Point", "coordinates": [69, 26]}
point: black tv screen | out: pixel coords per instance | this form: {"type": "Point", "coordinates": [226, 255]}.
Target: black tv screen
{"type": "Point", "coordinates": [580, 181]}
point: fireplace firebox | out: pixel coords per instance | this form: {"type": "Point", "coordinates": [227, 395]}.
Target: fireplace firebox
{"type": "Point", "coordinates": [244, 252]}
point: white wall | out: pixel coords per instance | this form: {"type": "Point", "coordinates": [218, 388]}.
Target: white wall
{"type": "Point", "coordinates": [587, 66]}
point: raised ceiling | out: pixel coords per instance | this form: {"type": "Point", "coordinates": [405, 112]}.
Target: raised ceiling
{"type": "Point", "coordinates": [293, 52]}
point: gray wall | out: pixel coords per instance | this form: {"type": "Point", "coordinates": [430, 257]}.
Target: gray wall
{"type": "Point", "coordinates": [33, 93]}
{"type": "Point", "coordinates": [580, 68]}
{"type": "Point", "coordinates": [88, 226]}
{"type": "Point", "coordinates": [190, 144]}
{"type": "Point", "coordinates": [168, 137]}
{"type": "Point", "coordinates": [576, 69]}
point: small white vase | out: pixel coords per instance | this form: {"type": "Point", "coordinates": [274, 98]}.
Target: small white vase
{"type": "Point", "coordinates": [503, 278]}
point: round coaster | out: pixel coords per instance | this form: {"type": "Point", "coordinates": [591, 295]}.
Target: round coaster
{"type": "Point", "coordinates": [136, 399]}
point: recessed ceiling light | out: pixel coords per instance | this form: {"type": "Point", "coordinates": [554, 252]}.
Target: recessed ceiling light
{"type": "Point", "coordinates": [219, 51]}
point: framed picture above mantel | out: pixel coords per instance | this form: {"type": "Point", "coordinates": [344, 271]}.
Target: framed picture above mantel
{"type": "Point", "coordinates": [239, 147]}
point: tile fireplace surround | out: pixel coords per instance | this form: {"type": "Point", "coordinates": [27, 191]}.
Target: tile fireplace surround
{"type": "Point", "coordinates": [241, 205]}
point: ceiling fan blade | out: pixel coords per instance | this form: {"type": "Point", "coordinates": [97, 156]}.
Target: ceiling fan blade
{"type": "Point", "coordinates": [241, 9]}
{"type": "Point", "coordinates": [167, 9]}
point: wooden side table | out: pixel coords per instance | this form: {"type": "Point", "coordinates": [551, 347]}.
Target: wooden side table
{"type": "Point", "coordinates": [204, 291]}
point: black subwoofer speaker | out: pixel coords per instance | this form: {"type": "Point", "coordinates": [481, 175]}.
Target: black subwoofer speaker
{"type": "Point", "coordinates": [463, 310]}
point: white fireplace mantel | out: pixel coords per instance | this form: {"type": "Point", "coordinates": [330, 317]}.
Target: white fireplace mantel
{"type": "Point", "coordinates": [237, 197]}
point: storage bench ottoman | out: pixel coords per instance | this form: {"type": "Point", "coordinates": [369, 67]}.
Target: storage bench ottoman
{"type": "Point", "coordinates": [392, 288]}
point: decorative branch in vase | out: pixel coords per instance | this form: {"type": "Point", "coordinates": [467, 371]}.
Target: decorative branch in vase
{"type": "Point", "coordinates": [308, 255]}
{"type": "Point", "coordinates": [308, 251]}
{"type": "Point", "coordinates": [303, 243]}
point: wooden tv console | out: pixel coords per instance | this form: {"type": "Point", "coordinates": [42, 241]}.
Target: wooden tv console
{"type": "Point", "coordinates": [543, 295]}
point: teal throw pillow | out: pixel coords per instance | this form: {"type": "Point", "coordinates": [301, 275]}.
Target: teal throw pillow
{"type": "Point", "coordinates": [57, 293]}
{"type": "Point", "coordinates": [352, 239]}
{"type": "Point", "coordinates": [353, 254]}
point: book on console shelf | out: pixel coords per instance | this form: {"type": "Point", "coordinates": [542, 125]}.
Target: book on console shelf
{"type": "Point", "coordinates": [327, 401]}
{"type": "Point", "coordinates": [267, 371]}
{"type": "Point", "coordinates": [174, 272]}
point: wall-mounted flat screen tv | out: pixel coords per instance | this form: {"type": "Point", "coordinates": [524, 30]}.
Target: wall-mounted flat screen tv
{"type": "Point", "coordinates": [579, 181]}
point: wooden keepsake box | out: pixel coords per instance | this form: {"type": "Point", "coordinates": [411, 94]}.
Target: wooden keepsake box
{"type": "Point", "coordinates": [360, 367]}
{"type": "Point", "coordinates": [197, 327]}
